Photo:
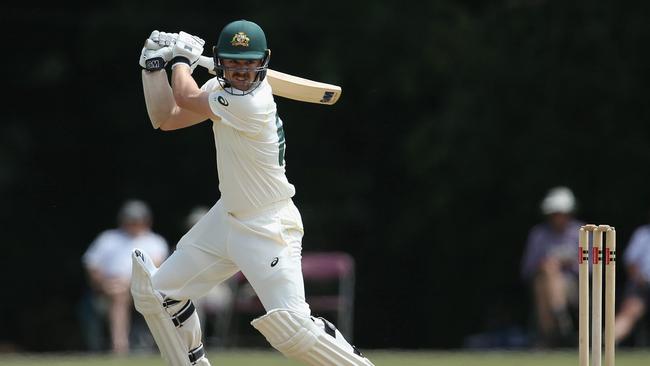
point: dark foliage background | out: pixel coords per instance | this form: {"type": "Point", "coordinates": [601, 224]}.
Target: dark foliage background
{"type": "Point", "coordinates": [456, 118]}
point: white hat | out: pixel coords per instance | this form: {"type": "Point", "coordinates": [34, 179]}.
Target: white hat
{"type": "Point", "coordinates": [558, 200]}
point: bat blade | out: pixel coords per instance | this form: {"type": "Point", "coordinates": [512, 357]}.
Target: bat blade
{"type": "Point", "coordinates": [304, 90]}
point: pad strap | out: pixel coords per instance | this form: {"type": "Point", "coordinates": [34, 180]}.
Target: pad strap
{"type": "Point", "coordinates": [196, 354]}
{"type": "Point", "coordinates": [182, 315]}
{"type": "Point", "coordinates": [330, 329]}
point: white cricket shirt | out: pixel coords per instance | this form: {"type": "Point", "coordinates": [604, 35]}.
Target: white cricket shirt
{"type": "Point", "coordinates": [250, 144]}
{"type": "Point", "coordinates": [110, 253]}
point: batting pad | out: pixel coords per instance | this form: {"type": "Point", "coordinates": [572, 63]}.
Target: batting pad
{"type": "Point", "coordinates": [298, 337]}
{"type": "Point", "coordinates": [150, 304]}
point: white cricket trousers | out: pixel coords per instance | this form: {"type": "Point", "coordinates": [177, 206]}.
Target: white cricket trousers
{"type": "Point", "coordinates": [265, 245]}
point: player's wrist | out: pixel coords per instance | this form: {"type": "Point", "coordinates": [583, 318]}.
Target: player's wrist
{"type": "Point", "coordinates": [154, 64]}
{"type": "Point", "coordinates": [180, 60]}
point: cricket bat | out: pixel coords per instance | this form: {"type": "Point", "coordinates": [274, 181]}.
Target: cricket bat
{"type": "Point", "coordinates": [285, 85]}
{"type": "Point", "coordinates": [292, 87]}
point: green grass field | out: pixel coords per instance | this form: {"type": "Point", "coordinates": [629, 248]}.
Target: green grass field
{"type": "Point", "coordinates": [380, 358]}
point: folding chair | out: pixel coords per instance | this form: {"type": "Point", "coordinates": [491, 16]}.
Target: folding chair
{"type": "Point", "coordinates": [329, 286]}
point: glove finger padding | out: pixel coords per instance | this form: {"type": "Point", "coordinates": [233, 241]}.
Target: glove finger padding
{"type": "Point", "coordinates": [160, 39]}
{"type": "Point", "coordinates": [155, 36]}
{"type": "Point", "coordinates": [167, 39]}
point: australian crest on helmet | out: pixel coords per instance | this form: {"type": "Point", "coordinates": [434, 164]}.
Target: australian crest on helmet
{"type": "Point", "coordinates": [240, 39]}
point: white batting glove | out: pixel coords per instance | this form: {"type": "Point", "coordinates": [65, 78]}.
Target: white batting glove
{"type": "Point", "coordinates": [154, 60]}
{"type": "Point", "coordinates": [187, 50]}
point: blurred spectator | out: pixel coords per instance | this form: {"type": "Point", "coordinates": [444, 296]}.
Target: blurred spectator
{"type": "Point", "coordinates": [636, 295]}
{"type": "Point", "coordinates": [215, 308]}
{"type": "Point", "coordinates": [108, 265]}
{"type": "Point", "coordinates": [549, 268]}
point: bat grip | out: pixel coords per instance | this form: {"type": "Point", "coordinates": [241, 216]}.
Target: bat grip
{"type": "Point", "coordinates": [208, 63]}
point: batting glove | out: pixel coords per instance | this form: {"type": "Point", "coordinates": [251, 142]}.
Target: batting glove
{"type": "Point", "coordinates": [187, 50]}
{"type": "Point", "coordinates": [154, 60]}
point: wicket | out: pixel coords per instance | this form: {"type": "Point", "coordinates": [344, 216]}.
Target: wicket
{"type": "Point", "coordinates": [597, 253]}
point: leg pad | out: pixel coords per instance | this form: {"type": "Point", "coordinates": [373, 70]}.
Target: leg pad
{"type": "Point", "coordinates": [173, 324]}
{"type": "Point", "coordinates": [313, 341]}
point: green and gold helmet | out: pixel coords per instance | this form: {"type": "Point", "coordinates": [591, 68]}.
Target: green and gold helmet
{"type": "Point", "coordinates": [241, 40]}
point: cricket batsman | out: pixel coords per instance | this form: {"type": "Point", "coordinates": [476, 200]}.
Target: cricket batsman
{"type": "Point", "coordinates": [254, 227]}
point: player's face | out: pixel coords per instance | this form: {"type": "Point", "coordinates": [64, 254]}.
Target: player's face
{"type": "Point", "coordinates": [559, 221]}
{"type": "Point", "coordinates": [241, 73]}
{"type": "Point", "coordinates": [135, 227]}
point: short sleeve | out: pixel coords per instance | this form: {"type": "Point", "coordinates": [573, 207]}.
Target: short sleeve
{"type": "Point", "coordinates": [247, 113]}
{"type": "Point", "coordinates": [210, 85]}
{"type": "Point", "coordinates": [96, 251]}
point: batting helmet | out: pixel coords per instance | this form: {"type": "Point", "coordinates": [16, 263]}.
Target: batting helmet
{"type": "Point", "coordinates": [241, 40]}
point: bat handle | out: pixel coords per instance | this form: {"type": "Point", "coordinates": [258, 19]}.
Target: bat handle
{"type": "Point", "coordinates": [208, 63]}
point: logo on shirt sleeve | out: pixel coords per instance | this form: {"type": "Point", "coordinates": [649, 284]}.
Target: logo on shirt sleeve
{"type": "Point", "coordinates": [222, 101]}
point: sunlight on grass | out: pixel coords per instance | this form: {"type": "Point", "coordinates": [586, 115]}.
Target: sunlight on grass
{"type": "Point", "coordinates": [379, 358]}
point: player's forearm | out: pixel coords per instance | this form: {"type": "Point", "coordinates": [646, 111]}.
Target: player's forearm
{"type": "Point", "coordinates": [184, 87]}
{"type": "Point", "coordinates": [158, 97]}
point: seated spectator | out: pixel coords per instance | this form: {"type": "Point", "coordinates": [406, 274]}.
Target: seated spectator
{"type": "Point", "coordinates": [108, 265]}
{"type": "Point", "coordinates": [549, 267]}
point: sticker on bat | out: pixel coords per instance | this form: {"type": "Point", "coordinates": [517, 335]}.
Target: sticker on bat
{"type": "Point", "coordinates": [327, 96]}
